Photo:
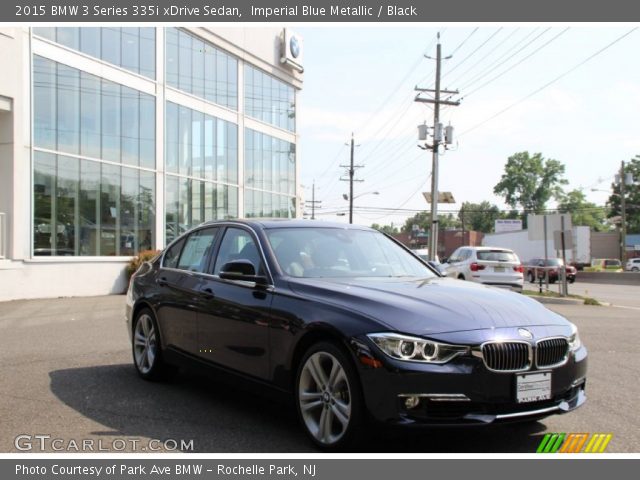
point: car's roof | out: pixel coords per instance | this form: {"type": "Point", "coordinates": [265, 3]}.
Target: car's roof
{"type": "Point", "coordinates": [269, 223]}
{"type": "Point", "coordinates": [502, 249]}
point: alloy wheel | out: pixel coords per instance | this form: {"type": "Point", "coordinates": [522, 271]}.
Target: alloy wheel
{"type": "Point", "coordinates": [145, 344]}
{"type": "Point", "coordinates": [324, 398]}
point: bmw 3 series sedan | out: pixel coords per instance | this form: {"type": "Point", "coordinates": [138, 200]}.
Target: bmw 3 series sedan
{"type": "Point", "coordinates": [352, 325]}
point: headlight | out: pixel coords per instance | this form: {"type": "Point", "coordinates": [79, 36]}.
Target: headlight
{"type": "Point", "coordinates": [574, 339]}
{"type": "Point", "coordinates": [403, 347]}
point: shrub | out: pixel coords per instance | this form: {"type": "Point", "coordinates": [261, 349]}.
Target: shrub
{"type": "Point", "coordinates": [135, 262]}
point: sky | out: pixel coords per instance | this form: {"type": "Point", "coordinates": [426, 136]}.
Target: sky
{"type": "Point", "coordinates": [361, 79]}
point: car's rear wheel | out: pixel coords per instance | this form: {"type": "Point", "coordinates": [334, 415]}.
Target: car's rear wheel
{"type": "Point", "coordinates": [328, 397]}
{"type": "Point", "coordinates": [147, 356]}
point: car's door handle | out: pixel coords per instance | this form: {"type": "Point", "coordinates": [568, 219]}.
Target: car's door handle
{"type": "Point", "coordinates": [162, 281]}
{"type": "Point", "coordinates": [207, 291]}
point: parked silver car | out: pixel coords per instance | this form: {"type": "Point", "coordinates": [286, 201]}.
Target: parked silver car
{"type": "Point", "coordinates": [633, 265]}
{"type": "Point", "coordinates": [499, 267]}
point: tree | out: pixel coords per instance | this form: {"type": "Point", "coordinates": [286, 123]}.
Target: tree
{"type": "Point", "coordinates": [530, 181]}
{"type": "Point", "coordinates": [388, 229]}
{"type": "Point", "coordinates": [632, 197]}
{"type": "Point", "coordinates": [479, 216]}
{"type": "Point", "coordinates": [583, 212]}
{"type": "Point", "coordinates": [423, 220]}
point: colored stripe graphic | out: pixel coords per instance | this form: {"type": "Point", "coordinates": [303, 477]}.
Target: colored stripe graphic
{"type": "Point", "coordinates": [573, 443]}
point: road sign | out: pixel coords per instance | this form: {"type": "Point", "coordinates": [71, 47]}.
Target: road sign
{"type": "Point", "coordinates": [568, 240]}
{"type": "Point", "coordinates": [443, 197]}
{"type": "Point", "coordinates": [507, 225]}
{"type": "Point", "coordinates": [535, 224]}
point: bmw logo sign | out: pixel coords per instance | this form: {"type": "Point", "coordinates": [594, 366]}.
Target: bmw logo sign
{"type": "Point", "coordinates": [294, 46]}
{"type": "Point", "coordinates": [523, 332]}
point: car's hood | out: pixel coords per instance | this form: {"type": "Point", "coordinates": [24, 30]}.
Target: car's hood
{"type": "Point", "coordinates": [429, 306]}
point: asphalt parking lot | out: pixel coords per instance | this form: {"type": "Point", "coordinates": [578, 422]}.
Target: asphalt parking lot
{"type": "Point", "coordinates": [66, 372]}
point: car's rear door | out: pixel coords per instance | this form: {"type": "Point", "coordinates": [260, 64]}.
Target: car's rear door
{"type": "Point", "coordinates": [234, 316]}
{"type": "Point", "coordinates": [178, 289]}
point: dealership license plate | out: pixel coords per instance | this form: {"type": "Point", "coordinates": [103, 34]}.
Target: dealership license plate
{"type": "Point", "coordinates": [533, 387]}
{"type": "Point", "coordinates": [498, 269]}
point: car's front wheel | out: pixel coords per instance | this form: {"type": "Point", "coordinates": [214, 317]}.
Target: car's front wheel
{"type": "Point", "coordinates": [328, 396]}
{"type": "Point", "coordinates": [531, 277]}
{"type": "Point", "coordinates": [147, 356]}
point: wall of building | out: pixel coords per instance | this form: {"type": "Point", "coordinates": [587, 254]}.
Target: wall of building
{"type": "Point", "coordinates": [34, 269]}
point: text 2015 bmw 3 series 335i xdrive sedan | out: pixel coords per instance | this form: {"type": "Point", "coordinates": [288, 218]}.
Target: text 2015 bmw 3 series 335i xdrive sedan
{"type": "Point", "coordinates": [354, 326]}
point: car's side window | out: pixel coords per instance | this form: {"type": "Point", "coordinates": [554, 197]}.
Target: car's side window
{"type": "Point", "coordinates": [238, 244]}
{"type": "Point", "coordinates": [196, 250]}
{"type": "Point", "coordinates": [172, 255]}
{"type": "Point", "coordinates": [455, 256]}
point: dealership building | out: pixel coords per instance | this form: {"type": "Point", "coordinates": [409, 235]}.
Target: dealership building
{"type": "Point", "coordinates": [116, 140]}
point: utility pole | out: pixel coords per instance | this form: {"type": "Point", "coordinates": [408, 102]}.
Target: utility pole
{"type": "Point", "coordinates": [437, 141]}
{"type": "Point", "coordinates": [351, 172]}
{"type": "Point", "coordinates": [313, 203]}
{"type": "Point", "coordinates": [623, 217]}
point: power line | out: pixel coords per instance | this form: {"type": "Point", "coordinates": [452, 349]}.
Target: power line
{"type": "Point", "coordinates": [518, 62]}
{"type": "Point", "coordinates": [473, 52]}
{"type": "Point", "coordinates": [453, 82]}
{"type": "Point", "coordinates": [502, 60]}
{"type": "Point", "coordinates": [559, 77]}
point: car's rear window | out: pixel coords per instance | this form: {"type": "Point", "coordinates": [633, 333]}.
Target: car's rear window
{"type": "Point", "coordinates": [496, 256]}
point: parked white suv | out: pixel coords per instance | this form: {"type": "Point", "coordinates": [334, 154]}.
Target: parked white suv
{"type": "Point", "coordinates": [499, 267]}
{"type": "Point", "coordinates": [633, 265]}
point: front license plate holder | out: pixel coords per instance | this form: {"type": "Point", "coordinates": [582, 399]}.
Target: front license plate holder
{"type": "Point", "coordinates": [533, 387]}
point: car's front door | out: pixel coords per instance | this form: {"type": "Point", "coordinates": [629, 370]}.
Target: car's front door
{"type": "Point", "coordinates": [234, 316]}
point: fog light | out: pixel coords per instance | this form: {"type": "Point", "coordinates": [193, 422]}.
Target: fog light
{"type": "Point", "coordinates": [411, 402]}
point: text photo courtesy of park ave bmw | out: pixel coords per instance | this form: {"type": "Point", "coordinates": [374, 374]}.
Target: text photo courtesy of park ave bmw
{"type": "Point", "coordinates": [281, 232]}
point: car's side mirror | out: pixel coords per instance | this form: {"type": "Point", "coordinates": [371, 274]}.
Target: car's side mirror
{"type": "Point", "coordinates": [242, 270]}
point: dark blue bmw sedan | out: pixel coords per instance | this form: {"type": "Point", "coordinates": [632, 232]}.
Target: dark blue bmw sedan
{"type": "Point", "coordinates": [354, 326]}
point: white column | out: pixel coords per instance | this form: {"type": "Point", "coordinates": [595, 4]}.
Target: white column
{"type": "Point", "coordinates": [160, 122]}
{"type": "Point", "coordinates": [240, 122]}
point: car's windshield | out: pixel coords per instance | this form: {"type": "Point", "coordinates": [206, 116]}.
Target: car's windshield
{"type": "Point", "coordinates": [313, 252]}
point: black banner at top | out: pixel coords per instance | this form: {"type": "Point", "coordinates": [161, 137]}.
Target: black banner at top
{"type": "Point", "coordinates": [204, 11]}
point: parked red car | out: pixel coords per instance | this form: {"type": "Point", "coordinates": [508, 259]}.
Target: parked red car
{"type": "Point", "coordinates": [535, 269]}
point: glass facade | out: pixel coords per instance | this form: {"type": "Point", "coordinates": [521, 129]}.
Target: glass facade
{"type": "Point", "coordinates": [78, 113]}
{"type": "Point", "coordinates": [268, 99]}
{"type": "Point", "coordinates": [269, 175]}
{"type": "Point", "coordinates": [201, 161]}
{"type": "Point", "coordinates": [131, 48]}
{"type": "Point", "coordinates": [88, 208]}
{"type": "Point", "coordinates": [95, 165]}
{"type": "Point", "coordinates": [197, 67]}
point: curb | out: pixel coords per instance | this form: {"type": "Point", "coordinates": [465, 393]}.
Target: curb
{"type": "Point", "coordinates": [565, 301]}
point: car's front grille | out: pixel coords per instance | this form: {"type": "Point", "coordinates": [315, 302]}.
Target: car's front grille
{"type": "Point", "coordinates": [552, 351]}
{"type": "Point", "coordinates": [506, 356]}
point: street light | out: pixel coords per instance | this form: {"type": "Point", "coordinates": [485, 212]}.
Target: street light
{"type": "Point", "coordinates": [346, 197]}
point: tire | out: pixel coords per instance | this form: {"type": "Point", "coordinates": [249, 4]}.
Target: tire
{"type": "Point", "coordinates": [145, 347]}
{"type": "Point", "coordinates": [635, 269]}
{"type": "Point", "coordinates": [332, 416]}
{"type": "Point", "coordinates": [572, 279]}
{"type": "Point", "coordinates": [461, 277]}
{"type": "Point", "coordinates": [531, 277]}
{"type": "Point", "coordinates": [552, 280]}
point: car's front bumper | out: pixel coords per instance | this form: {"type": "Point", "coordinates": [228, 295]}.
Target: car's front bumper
{"type": "Point", "coordinates": [464, 391]}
